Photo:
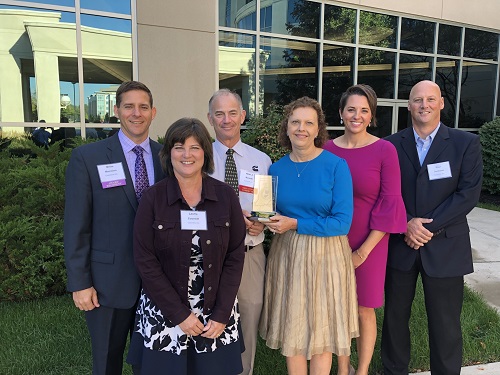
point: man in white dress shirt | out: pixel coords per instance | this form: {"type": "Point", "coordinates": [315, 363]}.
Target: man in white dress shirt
{"type": "Point", "coordinates": [226, 114]}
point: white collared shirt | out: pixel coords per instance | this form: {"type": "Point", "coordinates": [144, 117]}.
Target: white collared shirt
{"type": "Point", "coordinates": [246, 158]}
{"type": "Point", "coordinates": [423, 145]}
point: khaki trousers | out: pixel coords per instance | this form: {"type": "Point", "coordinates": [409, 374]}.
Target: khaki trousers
{"type": "Point", "coordinates": [250, 300]}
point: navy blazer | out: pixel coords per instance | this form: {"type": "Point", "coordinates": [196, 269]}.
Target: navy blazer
{"type": "Point", "coordinates": [447, 201]}
{"type": "Point", "coordinates": [98, 225]}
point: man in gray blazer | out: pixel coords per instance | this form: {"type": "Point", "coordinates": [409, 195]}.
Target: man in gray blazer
{"type": "Point", "coordinates": [441, 176]}
{"type": "Point", "coordinates": [104, 181]}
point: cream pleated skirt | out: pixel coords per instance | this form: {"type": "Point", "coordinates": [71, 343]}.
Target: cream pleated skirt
{"type": "Point", "coordinates": [310, 304]}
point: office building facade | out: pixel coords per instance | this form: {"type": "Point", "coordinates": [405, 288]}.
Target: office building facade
{"type": "Point", "coordinates": [266, 50]}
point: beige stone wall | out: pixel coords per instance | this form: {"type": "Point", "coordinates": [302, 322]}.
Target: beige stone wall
{"type": "Point", "coordinates": [177, 54]}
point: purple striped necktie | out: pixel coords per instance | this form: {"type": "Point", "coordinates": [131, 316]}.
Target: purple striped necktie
{"type": "Point", "coordinates": [141, 174]}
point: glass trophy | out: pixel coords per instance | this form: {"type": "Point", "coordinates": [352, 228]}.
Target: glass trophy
{"type": "Point", "coordinates": [264, 197]}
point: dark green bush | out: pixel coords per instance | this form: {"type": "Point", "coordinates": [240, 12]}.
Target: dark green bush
{"type": "Point", "coordinates": [31, 220]}
{"type": "Point", "coordinates": [262, 132]}
{"type": "Point", "coordinates": [490, 143]}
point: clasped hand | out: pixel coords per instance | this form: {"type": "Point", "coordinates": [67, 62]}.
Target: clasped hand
{"type": "Point", "coordinates": [192, 326]}
{"type": "Point", "coordinates": [416, 234]}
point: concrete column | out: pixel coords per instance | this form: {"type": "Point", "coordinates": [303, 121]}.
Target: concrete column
{"type": "Point", "coordinates": [47, 86]}
{"type": "Point", "coordinates": [11, 93]}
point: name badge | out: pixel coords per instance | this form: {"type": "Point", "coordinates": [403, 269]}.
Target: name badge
{"type": "Point", "coordinates": [111, 175]}
{"type": "Point", "coordinates": [193, 220]}
{"type": "Point", "coordinates": [439, 171]}
{"type": "Point", "coordinates": [246, 181]}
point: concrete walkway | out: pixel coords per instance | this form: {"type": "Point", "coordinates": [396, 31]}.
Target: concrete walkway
{"type": "Point", "coordinates": [485, 238]}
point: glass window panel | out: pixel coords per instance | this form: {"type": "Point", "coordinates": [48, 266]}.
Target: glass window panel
{"type": "Point", "coordinates": [417, 35]}
{"type": "Point", "coordinates": [62, 15]}
{"type": "Point", "coordinates": [288, 70]}
{"type": "Point", "coordinates": [122, 6]}
{"type": "Point", "coordinates": [107, 62]}
{"type": "Point", "coordinates": [476, 98]}
{"type": "Point", "coordinates": [107, 23]}
{"type": "Point", "coordinates": [449, 40]}
{"type": "Point", "coordinates": [266, 19]}
{"type": "Point", "coordinates": [340, 24]}
{"type": "Point", "coordinates": [481, 45]}
{"type": "Point", "coordinates": [237, 67]}
{"type": "Point", "coordinates": [376, 68]}
{"type": "Point", "coordinates": [70, 106]}
{"type": "Point", "coordinates": [338, 75]}
{"type": "Point", "coordinates": [300, 18]}
{"type": "Point", "coordinates": [447, 71]}
{"type": "Point", "coordinates": [377, 29]}
{"type": "Point", "coordinates": [34, 43]}
{"type": "Point", "coordinates": [384, 122]}
{"type": "Point", "coordinates": [404, 117]}
{"type": "Point", "coordinates": [240, 14]}
{"type": "Point", "coordinates": [67, 3]}
{"type": "Point", "coordinates": [334, 133]}
{"type": "Point", "coordinates": [70, 90]}
{"type": "Point", "coordinates": [412, 69]}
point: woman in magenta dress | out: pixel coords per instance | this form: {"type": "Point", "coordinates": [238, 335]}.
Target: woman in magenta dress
{"type": "Point", "coordinates": [378, 207]}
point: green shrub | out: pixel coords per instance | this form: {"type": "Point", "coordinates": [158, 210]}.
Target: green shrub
{"type": "Point", "coordinates": [31, 220]}
{"type": "Point", "coordinates": [490, 142]}
{"type": "Point", "coordinates": [262, 132]}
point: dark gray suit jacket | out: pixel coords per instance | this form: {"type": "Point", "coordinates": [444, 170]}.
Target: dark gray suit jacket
{"type": "Point", "coordinates": [447, 201]}
{"type": "Point", "coordinates": [98, 225]}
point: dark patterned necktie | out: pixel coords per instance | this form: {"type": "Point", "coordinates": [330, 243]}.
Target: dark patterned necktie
{"type": "Point", "coordinates": [141, 174]}
{"type": "Point", "coordinates": [231, 176]}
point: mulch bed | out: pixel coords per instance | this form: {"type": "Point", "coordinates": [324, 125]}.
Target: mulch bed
{"type": "Point", "coordinates": [489, 198]}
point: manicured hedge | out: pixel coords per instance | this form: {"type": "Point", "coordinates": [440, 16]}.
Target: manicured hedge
{"type": "Point", "coordinates": [490, 142]}
{"type": "Point", "coordinates": [31, 220]}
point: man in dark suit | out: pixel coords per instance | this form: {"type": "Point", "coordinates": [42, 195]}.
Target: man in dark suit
{"type": "Point", "coordinates": [104, 181]}
{"type": "Point", "coordinates": [441, 175]}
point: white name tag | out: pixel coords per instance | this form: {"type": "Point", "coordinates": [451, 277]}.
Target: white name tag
{"type": "Point", "coordinates": [111, 175]}
{"type": "Point", "coordinates": [246, 181]}
{"type": "Point", "coordinates": [193, 220]}
{"type": "Point", "coordinates": [438, 171]}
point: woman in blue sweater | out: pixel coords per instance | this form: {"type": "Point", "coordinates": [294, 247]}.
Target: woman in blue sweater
{"type": "Point", "coordinates": [310, 305]}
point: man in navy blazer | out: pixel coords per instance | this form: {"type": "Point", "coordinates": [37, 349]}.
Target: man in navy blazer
{"type": "Point", "coordinates": [99, 215]}
{"type": "Point", "coordinates": [441, 176]}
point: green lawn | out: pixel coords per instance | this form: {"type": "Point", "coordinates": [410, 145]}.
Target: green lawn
{"type": "Point", "coordinates": [489, 206]}
{"type": "Point", "coordinates": [50, 337]}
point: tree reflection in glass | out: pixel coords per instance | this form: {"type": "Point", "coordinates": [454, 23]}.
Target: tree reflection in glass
{"type": "Point", "coordinates": [377, 29]}
{"type": "Point", "coordinates": [481, 45]}
{"type": "Point", "coordinates": [449, 40]}
{"type": "Point", "coordinates": [377, 69]}
{"type": "Point", "coordinates": [417, 35]}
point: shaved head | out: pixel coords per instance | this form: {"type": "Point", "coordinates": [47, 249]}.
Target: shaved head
{"type": "Point", "coordinates": [427, 85]}
{"type": "Point", "coordinates": [425, 105]}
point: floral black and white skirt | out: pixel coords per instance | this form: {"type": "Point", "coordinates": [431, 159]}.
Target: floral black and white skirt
{"type": "Point", "coordinates": [158, 344]}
